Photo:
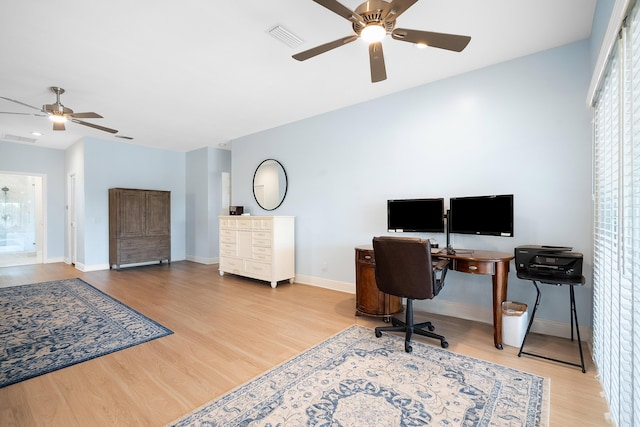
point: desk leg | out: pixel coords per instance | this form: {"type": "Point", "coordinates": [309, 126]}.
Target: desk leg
{"type": "Point", "coordinates": [499, 296]}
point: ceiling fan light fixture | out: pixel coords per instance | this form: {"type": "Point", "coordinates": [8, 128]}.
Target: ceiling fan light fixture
{"type": "Point", "coordinates": [57, 118]}
{"type": "Point", "coordinates": [422, 45]}
{"type": "Point", "coordinates": [373, 33]}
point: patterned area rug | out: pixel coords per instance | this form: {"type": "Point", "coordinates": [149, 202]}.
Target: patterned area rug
{"type": "Point", "coordinates": [355, 379]}
{"type": "Point", "coordinates": [49, 326]}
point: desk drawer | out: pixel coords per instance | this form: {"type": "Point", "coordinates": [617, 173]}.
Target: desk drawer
{"type": "Point", "coordinates": [473, 267]}
{"type": "Point", "coordinates": [366, 257]}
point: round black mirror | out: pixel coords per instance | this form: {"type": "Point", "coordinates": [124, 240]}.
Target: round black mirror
{"type": "Point", "coordinates": [270, 184]}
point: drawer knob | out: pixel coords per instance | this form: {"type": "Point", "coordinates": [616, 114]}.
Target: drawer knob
{"type": "Point", "coordinates": [473, 267]}
{"type": "Point", "coordinates": [367, 257]}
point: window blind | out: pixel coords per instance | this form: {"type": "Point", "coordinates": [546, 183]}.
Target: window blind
{"type": "Point", "coordinates": [616, 287]}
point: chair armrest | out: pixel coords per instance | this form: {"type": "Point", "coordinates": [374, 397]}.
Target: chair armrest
{"type": "Point", "coordinates": [440, 268]}
{"type": "Point", "coordinates": [441, 264]}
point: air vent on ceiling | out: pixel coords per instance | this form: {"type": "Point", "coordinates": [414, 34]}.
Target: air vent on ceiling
{"type": "Point", "coordinates": [18, 138]}
{"type": "Point", "coordinates": [285, 36]}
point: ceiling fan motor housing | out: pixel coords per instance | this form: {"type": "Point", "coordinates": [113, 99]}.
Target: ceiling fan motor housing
{"type": "Point", "coordinates": [372, 12]}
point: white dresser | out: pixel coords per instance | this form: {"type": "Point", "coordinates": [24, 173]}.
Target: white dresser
{"type": "Point", "coordinates": [260, 247]}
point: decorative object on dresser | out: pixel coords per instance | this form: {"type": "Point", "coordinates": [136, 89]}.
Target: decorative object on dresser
{"type": "Point", "coordinates": [139, 226]}
{"type": "Point", "coordinates": [370, 300]}
{"type": "Point", "coordinates": [260, 247]}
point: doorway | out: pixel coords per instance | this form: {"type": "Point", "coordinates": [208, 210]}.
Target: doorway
{"type": "Point", "coordinates": [21, 219]}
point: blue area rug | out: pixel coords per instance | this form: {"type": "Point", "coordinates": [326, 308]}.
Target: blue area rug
{"type": "Point", "coordinates": [356, 379]}
{"type": "Point", "coordinates": [49, 326]}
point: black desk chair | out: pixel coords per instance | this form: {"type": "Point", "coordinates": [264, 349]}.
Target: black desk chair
{"type": "Point", "coordinates": [404, 268]}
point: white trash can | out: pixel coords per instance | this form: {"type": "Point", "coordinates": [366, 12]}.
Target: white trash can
{"type": "Point", "coordinates": [514, 323]}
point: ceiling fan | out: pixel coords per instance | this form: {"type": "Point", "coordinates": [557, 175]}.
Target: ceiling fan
{"type": "Point", "coordinates": [59, 114]}
{"type": "Point", "coordinates": [372, 21]}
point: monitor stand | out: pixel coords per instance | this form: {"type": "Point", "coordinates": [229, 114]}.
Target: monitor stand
{"type": "Point", "coordinates": [450, 250]}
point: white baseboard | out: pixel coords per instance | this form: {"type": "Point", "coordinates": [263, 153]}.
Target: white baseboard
{"type": "Point", "coordinates": [52, 260]}
{"type": "Point", "coordinates": [462, 311]}
{"type": "Point", "coordinates": [95, 267]}
{"type": "Point", "coordinates": [326, 283]}
{"type": "Point", "coordinates": [202, 260]}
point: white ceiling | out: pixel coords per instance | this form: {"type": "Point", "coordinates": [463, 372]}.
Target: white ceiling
{"type": "Point", "coordinates": [182, 75]}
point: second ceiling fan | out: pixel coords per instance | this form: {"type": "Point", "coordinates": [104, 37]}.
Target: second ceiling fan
{"type": "Point", "coordinates": [60, 114]}
{"type": "Point", "coordinates": [372, 21]}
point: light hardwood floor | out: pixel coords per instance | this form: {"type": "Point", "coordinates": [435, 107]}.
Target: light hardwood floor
{"type": "Point", "coordinates": [228, 330]}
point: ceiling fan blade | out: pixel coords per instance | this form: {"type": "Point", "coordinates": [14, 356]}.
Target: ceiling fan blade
{"type": "Point", "coordinates": [24, 114]}
{"type": "Point", "coordinates": [397, 8]}
{"type": "Point", "coordinates": [440, 40]}
{"type": "Point", "coordinates": [340, 9]}
{"type": "Point", "coordinates": [58, 126]}
{"type": "Point", "coordinates": [85, 116]}
{"type": "Point", "coordinates": [80, 122]}
{"type": "Point", "coordinates": [302, 56]}
{"type": "Point", "coordinates": [21, 103]}
{"type": "Point", "coordinates": [376, 60]}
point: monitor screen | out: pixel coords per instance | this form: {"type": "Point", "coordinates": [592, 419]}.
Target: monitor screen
{"type": "Point", "coordinates": [420, 215]}
{"type": "Point", "coordinates": [487, 215]}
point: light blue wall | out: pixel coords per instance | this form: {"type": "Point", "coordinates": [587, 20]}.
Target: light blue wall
{"type": "Point", "coordinates": [109, 164]}
{"type": "Point", "coordinates": [520, 127]}
{"type": "Point", "coordinates": [50, 164]}
{"type": "Point", "coordinates": [204, 168]}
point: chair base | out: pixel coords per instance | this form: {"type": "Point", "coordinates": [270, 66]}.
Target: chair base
{"type": "Point", "coordinates": [409, 328]}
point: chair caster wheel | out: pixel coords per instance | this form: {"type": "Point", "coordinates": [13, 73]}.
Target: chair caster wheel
{"type": "Point", "coordinates": [378, 334]}
{"type": "Point", "coordinates": [444, 344]}
{"type": "Point", "coordinates": [408, 348]}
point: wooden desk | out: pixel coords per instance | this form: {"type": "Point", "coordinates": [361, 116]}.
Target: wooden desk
{"type": "Point", "coordinates": [472, 261]}
{"type": "Point", "coordinates": [496, 264]}
{"type": "Point", "coordinates": [370, 301]}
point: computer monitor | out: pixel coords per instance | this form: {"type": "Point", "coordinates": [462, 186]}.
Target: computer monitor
{"type": "Point", "coordinates": [482, 215]}
{"type": "Point", "coordinates": [415, 215]}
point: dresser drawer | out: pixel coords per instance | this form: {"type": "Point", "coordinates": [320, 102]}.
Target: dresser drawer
{"type": "Point", "coordinates": [143, 254]}
{"type": "Point", "coordinates": [228, 240]}
{"type": "Point", "coordinates": [243, 223]}
{"type": "Point", "coordinates": [227, 223]}
{"type": "Point", "coordinates": [228, 233]}
{"type": "Point", "coordinates": [144, 242]}
{"type": "Point", "coordinates": [262, 250]}
{"type": "Point", "coordinates": [259, 269]}
{"type": "Point", "coordinates": [262, 224]}
{"type": "Point", "coordinates": [266, 243]}
{"type": "Point", "coordinates": [232, 265]}
{"type": "Point", "coordinates": [473, 267]}
{"type": "Point", "coordinates": [228, 249]}
{"type": "Point", "coordinates": [266, 257]}
{"type": "Point", "coordinates": [262, 235]}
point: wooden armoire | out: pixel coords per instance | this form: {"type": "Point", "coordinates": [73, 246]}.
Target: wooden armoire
{"type": "Point", "coordinates": [139, 226]}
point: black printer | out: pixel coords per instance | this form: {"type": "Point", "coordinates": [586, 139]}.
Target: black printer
{"type": "Point", "coordinates": [548, 262]}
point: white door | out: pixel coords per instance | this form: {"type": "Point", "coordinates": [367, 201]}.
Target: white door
{"type": "Point", "coordinates": [71, 219]}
